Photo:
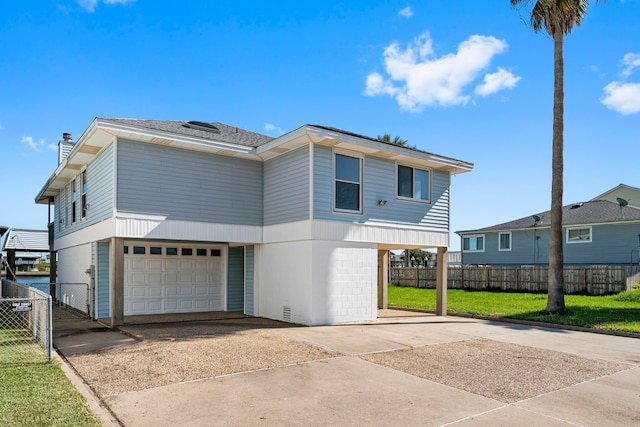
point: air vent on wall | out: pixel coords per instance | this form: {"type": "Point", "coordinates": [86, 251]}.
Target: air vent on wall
{"type": "Point", "coordinates": [286, 313]}
{"type": "Point", "coordinates": [204, 126]}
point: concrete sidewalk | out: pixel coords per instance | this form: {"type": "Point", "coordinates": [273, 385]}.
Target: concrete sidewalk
{"type": "Point", "coordinates": [364, 385]}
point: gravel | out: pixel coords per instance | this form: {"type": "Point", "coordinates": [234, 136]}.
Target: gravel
{"type": "Point", "coordinates": [501, 371]}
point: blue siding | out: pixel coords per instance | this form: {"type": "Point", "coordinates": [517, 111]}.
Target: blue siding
{"type": "Point", "coordinates": [286, 187]}
{"type": "Point", "coordinates": [379, 183]}
{"type": "Point", "coordinates": [235, 279]}
{"type": "Point", "coordinates": [249, 281]}
{"type": "Point", "coordinates": [610, 244]}
{"type": "Point", "coordinates": [102, 282]}
{"type": "Point", "coordinates": [99, 196]}
{"type": "Point", "coordinates": [187, 185]}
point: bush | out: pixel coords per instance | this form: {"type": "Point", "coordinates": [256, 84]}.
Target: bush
{"type": "Point", "coordinates": [629, 296]}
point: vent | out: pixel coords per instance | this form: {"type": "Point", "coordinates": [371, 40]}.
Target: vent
{"type": "Point", "coordinates": [203, 126]}
{"type": "Point", "coordinates": [286, 313]}
{"type": "Point", "coordinates": [577, 205]}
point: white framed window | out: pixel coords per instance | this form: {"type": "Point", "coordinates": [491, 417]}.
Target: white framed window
{"type": "Point", "coordinates": [83, 202]}
{"type": "Point", "coordinates": [579, 235]}
{"type": "Point", "coordinates": [74, 198]}
{"type": "Point", "coordinates": [413, 183]}
{"type": "Point", "coordinates": [347, 183]}
{"type": "Point", "coordinates": [504, 241]}
{"type": "Point", "coordinates": [473, 243]}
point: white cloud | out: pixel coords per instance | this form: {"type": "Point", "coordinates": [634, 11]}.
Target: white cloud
{"type": "Point", "coordinates": [495, 82]}
{"type": "Point", "coordinates": [622, 96]}
{"type": "Point", "coordinates": [90, 5]}
{"type": "Point", "coordinates": [270, 128]}
{"type": "Point", "coordinates": [407, 12]}
{"type": "Point", "coordinates": [418, 78]}
{"type": "Point", "coordinates": [37, 145]}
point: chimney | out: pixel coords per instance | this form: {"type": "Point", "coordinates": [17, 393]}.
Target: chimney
{"type": "Point", "coordinates": [64, 146]}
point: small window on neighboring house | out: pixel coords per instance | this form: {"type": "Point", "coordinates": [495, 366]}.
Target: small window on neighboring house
{"type": "Point", "coordinates": [504, 241]}
{"type": "Point", "coordinates": [201, 252]}
{"type": "Point", "coordinates": [473, 243]}
{"type": "Point", "coordinates": [579, 235]}
{"type": "Point", "coordinates": [73, 201]}
{"type": "Point", "coordinates": [216, 252]}
{"type": "Point", "coordinates": [347, 183]}
{"type": "Point", "coordinates": [413, 183]}
{"type": "Point", "coordinates": [154, 250]}
{"type": "Point", "coordinates": [84, 195]}
{"type": "Point", "coordinates": [187, 251]}
{"type": "Point", "coordinates": [139, 250]}
{"type": "Point", "coordinates": [172, 251]}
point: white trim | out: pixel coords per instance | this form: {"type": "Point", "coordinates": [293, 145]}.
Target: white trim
{"type": "Point", "coordinates": [413, 167]}
{"type": "Point", "coordinates": [484, 243]}
{"type": "Point", "coordinates": [311, 176]}
{"type": "Point", "coordinates": [571, 242]}
{"type": "Point", "coordinates": [355, 155]}
{"type": "Point", "coordinates": [510, 241]}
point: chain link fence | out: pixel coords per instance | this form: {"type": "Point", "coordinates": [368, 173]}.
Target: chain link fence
{"type": "Point", "coordinates": [26, 334]}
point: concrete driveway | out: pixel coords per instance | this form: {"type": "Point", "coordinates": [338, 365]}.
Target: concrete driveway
{"type": "Point", "coordinates": [405, 369]}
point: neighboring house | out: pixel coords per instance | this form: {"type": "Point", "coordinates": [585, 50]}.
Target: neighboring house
{"type": "Point", "coordinates": [397, 260]}
{"type": "Point", "coordinates": [25, 248]}
{"type": "Point", "coordinates": [604, 230]}
{"type": "Point", "coordinates": [455, 258]}
{"type": "Point", "coordinates": [2, 231]}
{"type": "Point", "coordinates": [176, 217]}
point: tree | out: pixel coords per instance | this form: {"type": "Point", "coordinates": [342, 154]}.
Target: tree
{"type": "Point", "coordinates": [557, 18]}
{"type": "Point", "coordinates": [396, 140]}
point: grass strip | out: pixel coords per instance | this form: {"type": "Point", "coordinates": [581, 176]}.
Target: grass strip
{"type": "Point", "coordinates": [612, 312]}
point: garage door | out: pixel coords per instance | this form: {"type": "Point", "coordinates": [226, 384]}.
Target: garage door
{"type": "Point", "coordinates": [173, 278]}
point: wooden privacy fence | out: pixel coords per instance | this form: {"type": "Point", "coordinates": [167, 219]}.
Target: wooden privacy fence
{"type": "Point", "coordinates": [592, 280]}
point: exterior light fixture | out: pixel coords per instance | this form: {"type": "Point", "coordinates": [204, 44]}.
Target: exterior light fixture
{"type": "Point", "coordinates": [382, 202]}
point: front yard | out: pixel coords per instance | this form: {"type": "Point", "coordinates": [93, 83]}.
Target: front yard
{"type": "Point", "coordinates": [612, 312]}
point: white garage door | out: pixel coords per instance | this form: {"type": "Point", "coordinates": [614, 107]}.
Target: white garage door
{"type": "Point", "coordinates": [173, 278]}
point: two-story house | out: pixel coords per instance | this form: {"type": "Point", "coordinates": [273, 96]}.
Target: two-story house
{"type": "Point", "coordinates": [603, 230]}
{"type": "Point", "coordinates": [177, 217]}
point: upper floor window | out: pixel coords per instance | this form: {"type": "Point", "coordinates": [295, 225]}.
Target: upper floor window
{"type": "Point", "coordinates": [347, 183]}
{"type": "Point", "coordinates": [73, 201]}
{"type": "Point", "coordinates": [504, 241]}
{"type": "Point", "coordinates": [579, 235]}
{"type": "Point", "coordinates": [413, 183]}
{"type": "Point", "coordinates": [473, 243]}
{"type": "Point", "coordinates": [84, 195]}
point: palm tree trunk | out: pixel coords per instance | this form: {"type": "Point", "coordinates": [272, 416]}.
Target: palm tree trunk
{"type": "Point", "coordinates": [555, 300]}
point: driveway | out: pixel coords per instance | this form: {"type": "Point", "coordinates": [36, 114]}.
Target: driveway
{"type": "Point", "coordinates": [405, 369]}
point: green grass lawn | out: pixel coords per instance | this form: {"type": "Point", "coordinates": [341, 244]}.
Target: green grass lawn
{"type": "Point", "coordinates": [41, 395]}
{"type": "Point", "coordinates": [613, 312]}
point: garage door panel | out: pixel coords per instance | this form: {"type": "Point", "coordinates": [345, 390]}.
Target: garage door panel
{"type": "Point", "coordinates": [162, 283]}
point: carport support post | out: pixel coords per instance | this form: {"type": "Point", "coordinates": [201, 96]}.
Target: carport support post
{"type": "Point", "coordinates": [383, 278]}
{"type": "Point", "coordinates": [441, 282]}
{"type": "Point", "coordinates": [116, 296]}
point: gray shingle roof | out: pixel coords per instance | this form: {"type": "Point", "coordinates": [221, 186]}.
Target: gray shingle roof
{"type": "Point", "coordinates": [27, 240]}
{"type": "Point", "coordinates": [596, 211]}
{"type": "Point", "coordinates": [228, 134]}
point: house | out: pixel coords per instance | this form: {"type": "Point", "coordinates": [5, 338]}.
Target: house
{"type": "Point", "coordinates": [176, 217]}
{"type": "Point", "coordinates": [603, 230]}
{"type": "Point", "coordinates": [24, 249]}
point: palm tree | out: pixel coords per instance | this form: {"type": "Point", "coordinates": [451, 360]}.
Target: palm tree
{"type": "Point", "coordinates": [557, 18]}
{"type": "Point", "coordinates": [396, 140]}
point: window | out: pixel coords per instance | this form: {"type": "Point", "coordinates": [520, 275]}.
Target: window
{"type": "Point", "coordinates": [187, 251]}
{"type": "Point", "coordinates": [579, 235]}
{"type": "Point", "coordinates": [126, 249]}
{"type": "Point", "coordinates": [83, 202]}
{"type": "Point", "coordinates": [216, 252]}
{"type": "Point", "coordinates": [473, 244]}
{"type": "Point", "coordinates": [201, 252]}
{"type": "Point", "coordinates": [139, 250]}
{"type": "Point", "coordinates": [348, 183]}
{"type": "Point", "coordinates": [413, 183]}
{"type": "Point", "coordinates": [172, 251]}
{"type": "Point", "coordinates": [155, 250]}
{"type": "Point", "coordinates": [504, 241]}
{"type": "Point", "coordinates": [73, 201]}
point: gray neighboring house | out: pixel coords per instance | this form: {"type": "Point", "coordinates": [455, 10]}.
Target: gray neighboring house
{"type": "Point", "coordinates": [25, 248]}
{"type": "Point", "coordinates": [604, 230]}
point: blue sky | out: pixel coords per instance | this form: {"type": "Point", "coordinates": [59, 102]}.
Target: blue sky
{"type": "Point", "coordinates": [468, 80]}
